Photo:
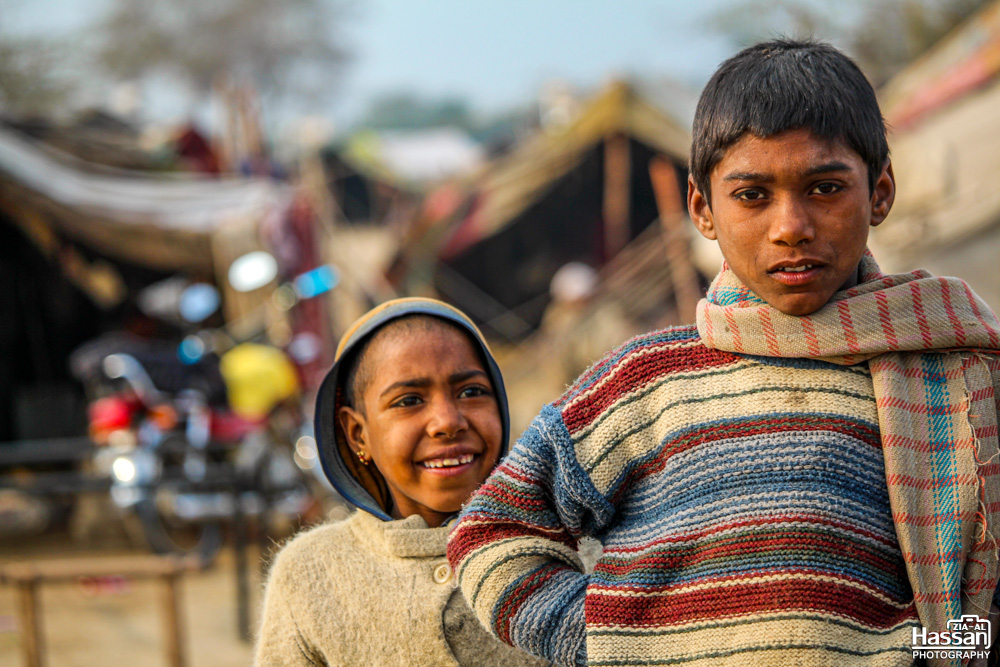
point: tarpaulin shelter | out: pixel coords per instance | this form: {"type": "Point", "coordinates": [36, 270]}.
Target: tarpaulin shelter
{"type": "Point", "coordinates": [414, 158]}
{"type": "Point", "coordinates": [574, 193]}
{"type": "Point", "coordinates": [74, 228]}
{"type": "Point", "coordinates": [644, 287]}
{"type": "Point", "coordinates": [365, 192]}
{"type": "Point", "coordinates": [945, 144]}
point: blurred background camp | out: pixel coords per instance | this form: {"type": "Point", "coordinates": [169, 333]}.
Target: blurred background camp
{"type": "Point", "coordinates": [197, 198]}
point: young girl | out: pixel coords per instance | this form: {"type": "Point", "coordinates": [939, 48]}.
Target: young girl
{"type": "Point", "coordinates": [410, 420]}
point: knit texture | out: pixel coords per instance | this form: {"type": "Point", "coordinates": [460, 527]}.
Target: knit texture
{"type": "Point", "coordinates": [740, 487]}
{"type": "Point", "coordinates": [742, 506]}
{"type": "Point", "coordinates": [364, 592]}
{"type": "Point", "coordinates": [937, 412]}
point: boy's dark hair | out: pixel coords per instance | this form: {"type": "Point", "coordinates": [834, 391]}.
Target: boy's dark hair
{"type": "Point", "coordinates": [784, 85]}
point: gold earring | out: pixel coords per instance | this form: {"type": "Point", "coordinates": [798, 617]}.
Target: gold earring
{"type": "Point", "coordinates": [363, 457]}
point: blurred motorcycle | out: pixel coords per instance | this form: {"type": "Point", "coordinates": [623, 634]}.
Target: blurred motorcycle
{"type": "Point", "coordinates": [196, 435]}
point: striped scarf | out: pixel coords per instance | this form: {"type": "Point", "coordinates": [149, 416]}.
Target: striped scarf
{"type": "Point", "coordinates": [930, 344]}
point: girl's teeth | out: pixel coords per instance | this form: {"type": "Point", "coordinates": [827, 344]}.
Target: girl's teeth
{"type": "Point", "coordinates": [797, 269]}
{"type": "Point", "coordinates": [449, 463]}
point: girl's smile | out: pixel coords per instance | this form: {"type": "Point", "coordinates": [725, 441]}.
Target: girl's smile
{"type": "Point", "coordinates": [429, 419]}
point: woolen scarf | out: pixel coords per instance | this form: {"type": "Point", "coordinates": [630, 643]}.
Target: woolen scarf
{"type": "Point", "coordinates": [932, 348]}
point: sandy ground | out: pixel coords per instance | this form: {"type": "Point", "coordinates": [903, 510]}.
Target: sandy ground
{"type": "Point", "coordinates": [119, 622]}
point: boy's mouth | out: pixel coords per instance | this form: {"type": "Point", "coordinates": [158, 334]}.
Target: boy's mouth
{"type": "Point", "coordinates": [797, 273]}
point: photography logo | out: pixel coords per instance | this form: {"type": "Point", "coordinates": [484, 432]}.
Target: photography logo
{"type": "Point", "coordinates": [967, 638]}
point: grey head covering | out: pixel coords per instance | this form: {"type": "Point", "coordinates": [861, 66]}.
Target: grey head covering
{"type": "Point", "coordinates": [363, 486]}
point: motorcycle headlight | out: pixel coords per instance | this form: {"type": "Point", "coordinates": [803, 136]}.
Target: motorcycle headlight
{"type": "Point", "coordinates": [136, 468]}
{"type": "Point", "coordinates": [123, 470]}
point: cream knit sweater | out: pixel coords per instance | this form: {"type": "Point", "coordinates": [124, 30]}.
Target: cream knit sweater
{"type": "Point", "coordinates": [369, 592]}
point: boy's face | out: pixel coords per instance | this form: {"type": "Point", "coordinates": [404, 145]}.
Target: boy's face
{"type": "Point", "coordinates": [431, 423]}
{"type": "Point", "coordinates": [791, 213]}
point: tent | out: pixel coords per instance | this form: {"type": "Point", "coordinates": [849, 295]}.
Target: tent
{"type": "Point", "coordinates": [162, 221]}
{"type": "Point", "coordinates": [580, 192]}
{"type": "Point", "coordinates": [80, 239]}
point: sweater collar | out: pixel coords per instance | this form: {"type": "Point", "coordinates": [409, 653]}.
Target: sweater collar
{"type": "Point", "coordinates": [408, 538]}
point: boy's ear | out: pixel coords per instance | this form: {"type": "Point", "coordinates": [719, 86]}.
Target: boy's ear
{"type": "Point", "coordinates": [352, 423]}
{"type": "Point", "coordinates": [700, 211]}
{"type": "Point", "coordinates": [883, 194]}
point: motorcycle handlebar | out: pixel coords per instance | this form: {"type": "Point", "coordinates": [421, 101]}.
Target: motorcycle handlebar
{"type": "Point", "coordinates": [126, 367]}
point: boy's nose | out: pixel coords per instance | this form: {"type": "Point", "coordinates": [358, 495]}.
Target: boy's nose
{"type": "Point", "coordinates": [791, 224]}
{"type": "Point", "coordinates": [446, 420]}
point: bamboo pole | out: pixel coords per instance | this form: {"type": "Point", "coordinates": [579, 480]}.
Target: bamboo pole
{"type": "Point", "coordinates": [617, 194]}
{"type": "Point", "coordinates": [673, 219]}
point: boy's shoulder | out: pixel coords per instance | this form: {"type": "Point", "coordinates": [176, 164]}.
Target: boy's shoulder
{"type": "Point", "coordinates": [645, 359]}
{"type": "Point", "coordinates": [629, 361]}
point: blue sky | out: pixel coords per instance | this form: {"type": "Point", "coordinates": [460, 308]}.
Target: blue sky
{"type": "Point", "coordinates": [495, 54]}
{"type": "Point", "coordinates": [500, 52]}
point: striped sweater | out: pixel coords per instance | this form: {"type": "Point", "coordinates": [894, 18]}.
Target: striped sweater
{"type": "Point", "coordinates": [742, 506]}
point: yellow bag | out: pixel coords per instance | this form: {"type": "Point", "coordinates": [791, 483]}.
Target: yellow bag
{"type": "Point", "coordinates": [258, 378]}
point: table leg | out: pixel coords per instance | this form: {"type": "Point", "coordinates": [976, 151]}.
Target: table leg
{"type": "Point", "coordinates": [31, 633]}
{"type": "Point", "coordinates": [174, 634]}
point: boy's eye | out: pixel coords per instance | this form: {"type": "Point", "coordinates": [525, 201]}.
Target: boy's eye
{"type": "Point", "coordinates": [750, 194]}
{"type": "Point", "coordinates": [826, 188]}
{"type": "Point", "coordinates": [474, 391]}
{"type": "Point", "coordinates": [407, 401]}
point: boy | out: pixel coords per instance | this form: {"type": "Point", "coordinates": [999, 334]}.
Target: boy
{"type": "Point", "coordinates": [803, 478]}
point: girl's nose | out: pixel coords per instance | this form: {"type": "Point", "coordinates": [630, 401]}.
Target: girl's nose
{"type": "Point", "coordinates": [447, 419]}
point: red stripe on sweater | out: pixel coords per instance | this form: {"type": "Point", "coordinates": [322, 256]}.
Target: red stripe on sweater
{"type": "Point", "coordinates": [469, 535]}
{"type": "Point", "coordinates": [771, 520]}
{"type": "Point", "coordinates": [738, 548]}
{"type": "Point", "coordinates": [499, 493]}
{"type": "Point", "coordinates": [632, 374]}
{"type": "Point", "coordinates": [743, 600]}
{"type": "Point", "coordinates": [516, 599]}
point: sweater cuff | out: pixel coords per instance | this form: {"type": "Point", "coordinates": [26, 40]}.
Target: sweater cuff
{"type": "Point", "coordinates": [554, 625]}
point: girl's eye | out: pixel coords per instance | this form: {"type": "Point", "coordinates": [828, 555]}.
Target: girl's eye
{"type": "Point", "coordinates": [751, 194]}
{"type": "Point", "coordinates": [474, 391]}
{"type": "Point", "coordinates": [407, 401]}
{"type": "Point", "coordinates": [826, 188]}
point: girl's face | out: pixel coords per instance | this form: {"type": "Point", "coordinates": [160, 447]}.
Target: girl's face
{"type": "Point", "coordinates": [431, 423]}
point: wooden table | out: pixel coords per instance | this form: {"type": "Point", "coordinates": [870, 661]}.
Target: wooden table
{"type": "Point", "coordinates": [28, 577]}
